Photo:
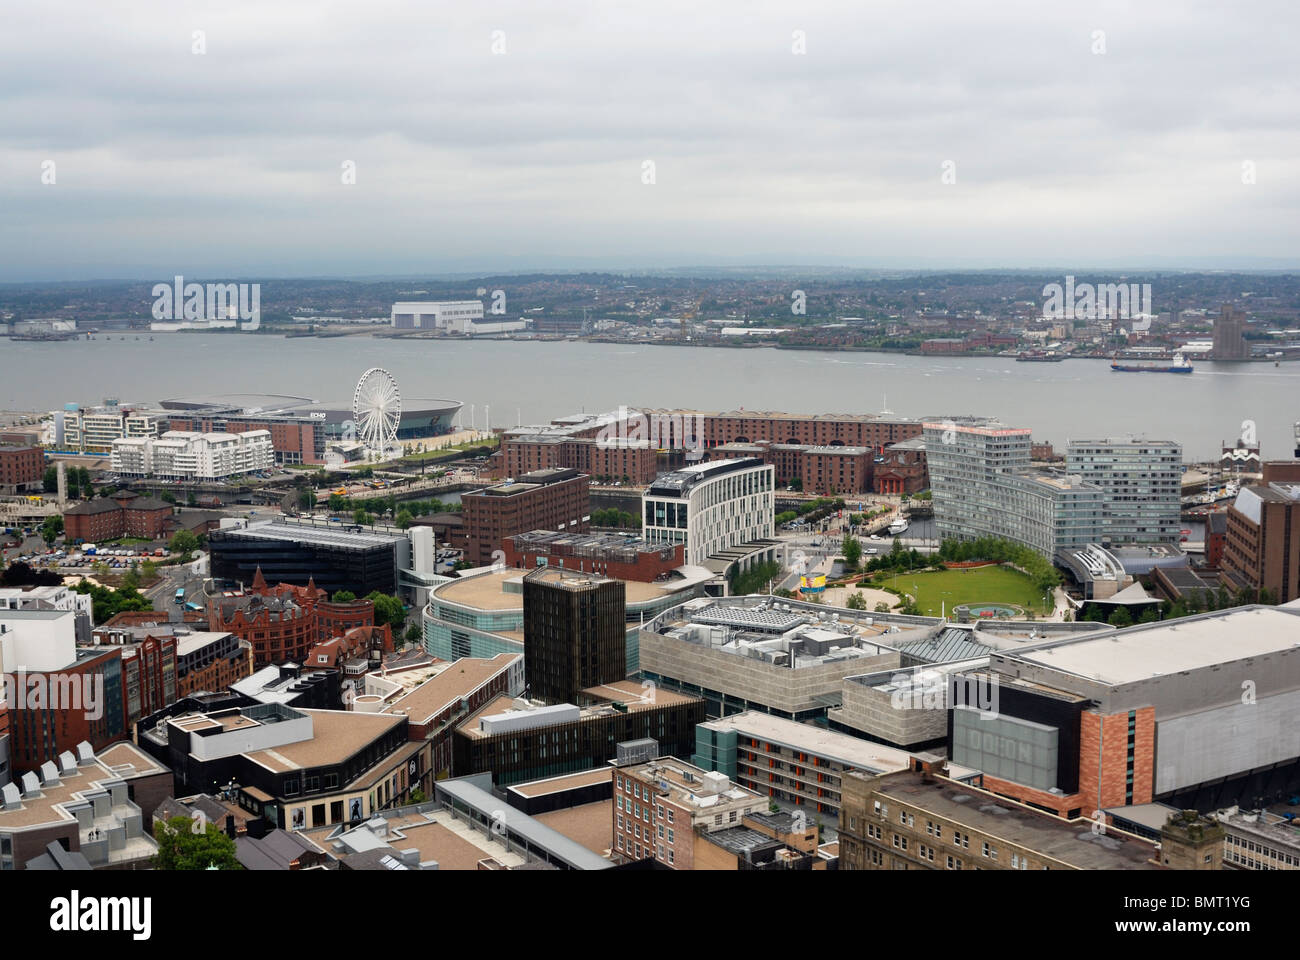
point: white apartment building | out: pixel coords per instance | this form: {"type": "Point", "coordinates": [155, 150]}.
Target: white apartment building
{"type": "Point", "coordinates": [186, 455]}
{"type": "Point", "coordinates": [44, 598]}
{"type": "Point", "coordinates": [1143, 480]}
{"type": "Point", "coordinates": [711, 507]}
{"type": "Point", "coordinates": [93, 430]}
{"type": "Point", "coordinates": [984, 486]}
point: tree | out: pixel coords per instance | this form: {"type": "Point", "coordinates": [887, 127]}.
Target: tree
{"type": "Point", "coordinates": [307, 499]}
{"type": "Point", "coordinates": [388, 609]}
{"type": "Point", "coordinates": [337, 503]}
{"type": "Point", "coordinates": [882, 607]}
{"type": "Point", "coordinates": [148, 570]}
{"type": "Point", "coordinates": [1121, 618]}
{"type": "Point", "coordinates": [51, 528]}
{"type": "Point", "coordinates": [362, 519]}
{"type": "Point", "coordinates": [856, 601]}
{"type": "Point", "coordinates": [343, 596]}
{"type": "Point", "coordinates": [167, 496]}
{"type": "Point", "coordinates": [20, 574]}
{"type": "Point", "coordinates": [413, 633]}
{"type": "Point", "coordinates": [50, 480]}
{"type": "Point", "coordinates": [131, 579]}
{"type": "Point", "coordinates": [404, 519]}
{"type": "Point", "coordinates": [185, 844]}
{"type": "Point", "coordinates": [107, 602]}
{"type": "Point", "coordinates": [191, 500]}
{"type": "Point", "coordinates": [184, 543]}
{"type": "Point", "coordinates": [852, 550]}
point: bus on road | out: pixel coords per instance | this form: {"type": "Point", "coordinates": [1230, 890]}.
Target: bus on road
{"type": "Point", "coordinates": [180, 595]}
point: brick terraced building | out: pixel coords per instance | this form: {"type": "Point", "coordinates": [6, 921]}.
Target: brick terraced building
{"type": "Point", "coordinates": [125, 514]}
{"type": "Point", "coordinates": [554, 499]}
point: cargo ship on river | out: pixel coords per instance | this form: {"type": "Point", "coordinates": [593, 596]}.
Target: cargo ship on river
{"type": "Point", "coordinates": [1179, 364]}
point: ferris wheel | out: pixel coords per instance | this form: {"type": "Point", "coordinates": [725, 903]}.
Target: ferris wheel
{"type": "Point", "coordinates": [377, 409]}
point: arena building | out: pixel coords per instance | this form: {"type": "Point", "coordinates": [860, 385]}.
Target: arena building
{"type": "Point", "coordinates": [301, 429]}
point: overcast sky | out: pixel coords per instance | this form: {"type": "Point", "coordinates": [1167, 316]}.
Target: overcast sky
{"type": "Point", "coordinates": [231, 162]}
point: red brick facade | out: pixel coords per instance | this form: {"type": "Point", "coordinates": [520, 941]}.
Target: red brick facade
{"type": "Point", "coordinates": [280, 631]}
{"type": "Point", "coordinates": [652, 561]}
{"type": "Point", "coordinates": [125, 515]}
{"type": "Point", "coordinates": [21, 468]}
{"type": "Point", "coordinates": [616, 459]}
{"type": "Point", "coordinates": [1103, 767]}
{"type": "Point", "coordinates": [533, 502]}
{"type": "Point", "coordinates": [41, 732]}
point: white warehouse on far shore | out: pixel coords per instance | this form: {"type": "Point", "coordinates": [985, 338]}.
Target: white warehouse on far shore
{"type": "Point", "coordinates": [452, 317]}
{"type": "Point", "coordinates": [187, 455]}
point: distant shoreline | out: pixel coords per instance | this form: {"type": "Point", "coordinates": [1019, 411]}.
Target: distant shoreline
{"type": "Point", "coordinates": [373, 331]}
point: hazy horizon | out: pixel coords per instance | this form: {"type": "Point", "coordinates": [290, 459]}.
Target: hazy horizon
{"type": "Point", "coordinates": [512, 137]}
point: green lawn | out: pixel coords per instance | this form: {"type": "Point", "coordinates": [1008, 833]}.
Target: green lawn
{"type": "Point", "coordinates": [975, 585]}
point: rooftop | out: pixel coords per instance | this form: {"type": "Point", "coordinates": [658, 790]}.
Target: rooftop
{"type": "Point", "coordinates": [588, 824]}
{"type": "Point", "coordinates": [610, 699]}
{"type": "Point", "coordinates": [571, 781]}
{"type": "Point", "coordinates": [122, 761]}
{"type": "Point", "coordinates": [848, 750]}
{"type": "Point", "coordinates": [307, 533]}
{"type": "Point", "coordinates": [679, 482]}
{"type": "Point", "coordinates": [690, 786]}
{"type": "Point", "coordinates": [788, 633]}
{"type": "Point", "coordinates": [1161, 649]}
{"type": "Point", "coordinates": [336, 736]}
{"type": "Point", "coordinates": [1071, 843]}
{"type": "Point", "coordinates": [459, 680]}
{"type": "Point", "coordinates": [488, 591]}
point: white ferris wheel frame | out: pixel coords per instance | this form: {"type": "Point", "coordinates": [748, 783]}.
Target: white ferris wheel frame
{"type": "Point", "coordinates": [377, 409]}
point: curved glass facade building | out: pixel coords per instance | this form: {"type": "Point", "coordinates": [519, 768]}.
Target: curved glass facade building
{"type": "Point", "coordinates": [483, 615]}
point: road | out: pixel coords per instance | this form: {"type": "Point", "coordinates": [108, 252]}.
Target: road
{"type": "Point", "coordinates": [190, 576]}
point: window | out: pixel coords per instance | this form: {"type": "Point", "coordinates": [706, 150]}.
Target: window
{"type": "Point", "coordinates": [620, 821]}
{"type": "Point", "coordinates": [670, 815]}
{"type": "Point", "coordinates": [670, 836]}
{"type": "Point", "coordinates": [670, 856]}
{"type": "Point", "coordinates": [620, 802]}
